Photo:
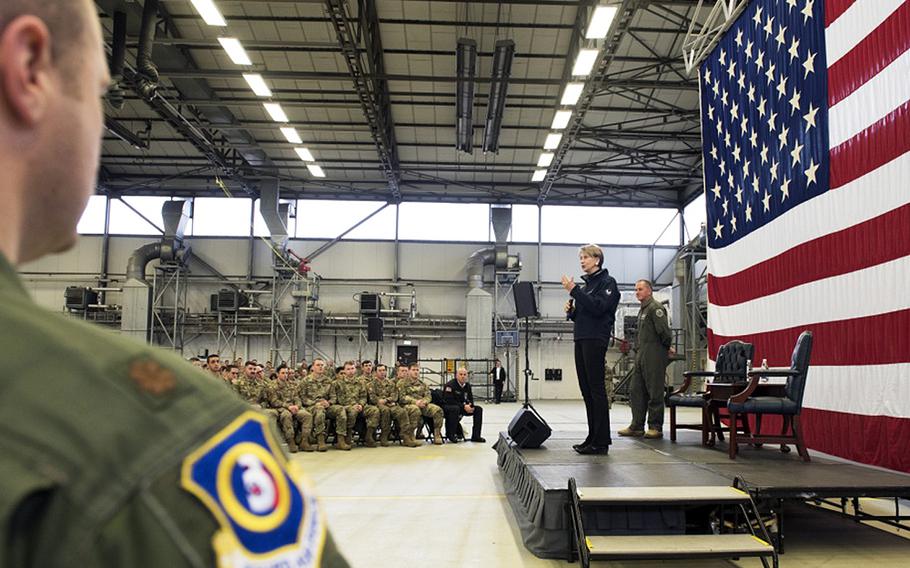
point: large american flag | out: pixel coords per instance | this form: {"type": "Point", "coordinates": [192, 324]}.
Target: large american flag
{"type": "Point", "coordinates": [806, 133]}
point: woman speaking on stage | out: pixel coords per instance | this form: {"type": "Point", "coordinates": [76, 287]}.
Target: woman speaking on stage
{"type": "Point", "coordinates": [592, 306]}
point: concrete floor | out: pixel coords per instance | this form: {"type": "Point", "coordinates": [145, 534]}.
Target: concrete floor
{"type": "Point", "coordinates": [444, 506]}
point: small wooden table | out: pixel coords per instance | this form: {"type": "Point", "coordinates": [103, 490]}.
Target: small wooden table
{"type": "Point", "coordinates": [719, 393]}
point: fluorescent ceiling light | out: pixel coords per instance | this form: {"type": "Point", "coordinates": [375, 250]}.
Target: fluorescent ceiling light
{"type": "Point", "coordinates": [235, 50]}
{"type": "Point", "coordinates": [600, 22]}
{"type": "Point", "coordinates": [584, 62]}
{"type": "Point", "coordinates": [552, 142]}
{"type": "Point", "coordinates": [209, 12]}
{"type": "Point", "coordinates": [257, 83]}
{"type": "Point", "coordinates": [572, 93]}
{"type": "Point", "coordinates": [305, 155]}
{"type": "Point", "coordinates": [291, 135]}
{"type": "Point", "coordinates": [539, 175]}
{"type": "Point", "coordinates": [561, 119]}
{"type": "Point", "coordinates": [276, 112]}
{"type": "Point", "coordinates": [315, 170]}
{"type": "Point", "coordinates": [546, 158]}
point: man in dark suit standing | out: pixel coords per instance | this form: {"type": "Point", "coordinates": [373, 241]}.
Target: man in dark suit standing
{"type": "Point", "coordinates": [458, 401]}
{"type": "Point", "coordinates": [499, 379]}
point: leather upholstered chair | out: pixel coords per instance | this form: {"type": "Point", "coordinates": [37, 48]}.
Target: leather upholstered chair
{"type": "Point", "coordinates": [788, 406]}
{"type": "Point", "coordinates": [730, 367]}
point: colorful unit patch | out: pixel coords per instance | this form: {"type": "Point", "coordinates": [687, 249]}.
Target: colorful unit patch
{"type": "Point", "coordinates": [266, 517]}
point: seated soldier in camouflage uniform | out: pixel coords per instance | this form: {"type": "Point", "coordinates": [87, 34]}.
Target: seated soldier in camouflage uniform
{"type": "Point", "coordinates": [415, 395]}
{"type": "Point", "coordinates": [213, 364]}
{"type": "Point", "coordinates": [366, 370]}
{"type": "Point", "coordinates": [383, 394]}
{"type": "Point", "coordinates": [401, 374]}
{"type": "Point", "coordinates": [284, 396]}
{"type": "Point", "coordinates": [229, 375]}
{"type": "Point", "coordinates": [335, 411]}
{"type": "Point", "coordinates": [314, 395]}
{"type": "Point", "coordinates": [248, 384]}
{"type": "Point", "coordinates": [350, 393]}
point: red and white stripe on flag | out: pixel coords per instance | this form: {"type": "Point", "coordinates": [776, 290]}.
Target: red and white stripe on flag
{"type": "Point", "coordinates": [839, 264]}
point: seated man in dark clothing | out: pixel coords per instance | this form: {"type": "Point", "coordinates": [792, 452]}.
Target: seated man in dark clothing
{"type": "Point", "coordinates": [459, 401]}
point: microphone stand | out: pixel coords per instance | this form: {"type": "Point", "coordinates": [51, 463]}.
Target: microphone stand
{"type": "Point", "coordinates": [529, 374]}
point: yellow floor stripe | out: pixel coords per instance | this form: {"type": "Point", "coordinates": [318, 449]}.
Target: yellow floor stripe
{"type": "Point", "coordinates": [411, 497]}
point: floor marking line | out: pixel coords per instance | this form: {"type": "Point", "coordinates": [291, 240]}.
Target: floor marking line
{"type": "Point", "coordinates": [412, 497]}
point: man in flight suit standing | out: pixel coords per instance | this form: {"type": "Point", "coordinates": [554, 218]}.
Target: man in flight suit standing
{"type": "Point", "coordinates": [109, 449]}
{"type": "Point", "coordinates": [652, 351]}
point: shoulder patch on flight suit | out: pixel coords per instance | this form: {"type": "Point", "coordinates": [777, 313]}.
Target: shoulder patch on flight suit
{"type": "Point", "coordinates": [267, 517]}
{"type": "Point", "coordinates": [448, 389]}
{"type": "Point", "coordinates": [659, 313]}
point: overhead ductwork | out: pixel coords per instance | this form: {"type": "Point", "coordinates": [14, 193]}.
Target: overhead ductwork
{"type": "Point", "coordinates": [466, 69]}
{"type": "Point", "coordinates": [115, 94]}
{"type": "Point", "coordinates": [274, 213]}
{"type": "Point", "coordinates": [148, 72]}
{"type": "Point", "coordinates": [499, 87]}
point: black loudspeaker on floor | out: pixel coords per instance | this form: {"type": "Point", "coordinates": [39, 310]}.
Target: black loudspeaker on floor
{"type": "Point", "coordinates": [528, 430]}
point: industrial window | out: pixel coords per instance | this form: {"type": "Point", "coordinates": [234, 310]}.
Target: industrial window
{"type": "Point", "coordinates": [221, 217]}
{"type": "Point", "coordinates": [92, 221]}
{"type": "Point", "coordinates": [524, 224]}
{"type": "Point", "coordinates": [326, 219]}
{"type": "Point", "coordinates": [613, 225]}
{"type": "Point", "coordinates": [695, 215]}
{"type": "Point", "coordinates": [445, 222]}
{"type": "Point", "coordinates": [126, 221]}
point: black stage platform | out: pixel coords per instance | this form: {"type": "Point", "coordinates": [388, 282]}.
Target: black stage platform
{"type": "Point", "coordinates": [536, 480]}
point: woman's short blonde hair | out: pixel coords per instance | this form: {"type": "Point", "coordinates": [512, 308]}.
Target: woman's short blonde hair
{"type": "Point", "coordinates": [594, 251]}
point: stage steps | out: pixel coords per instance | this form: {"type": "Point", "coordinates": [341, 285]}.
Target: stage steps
{"type": "Point", "coordinates": [669, 546]}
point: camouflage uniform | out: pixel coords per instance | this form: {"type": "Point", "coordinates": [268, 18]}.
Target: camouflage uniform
{"type": "Point", "coordinates": [409, 392]}
{"type": "Point", "coordinates": [230, 385]}
{"type": "Point", "coordinates": [257, 392]}
{"type": "Point", "coordinates": [250, 389]}
{"type": "Point", "coordinates": [281, 395]}
{"type": "Point", "coordinates": [313, 389]}
{"type": "Point", "coordinates": [348, 393]}
{"type": "Point", "coordinates": [387, 391]}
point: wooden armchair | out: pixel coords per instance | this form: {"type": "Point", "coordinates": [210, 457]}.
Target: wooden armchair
{"type": "Point", "coordinates": [788, 406]}
{"type": "Point", "coordinates": [730, 367]}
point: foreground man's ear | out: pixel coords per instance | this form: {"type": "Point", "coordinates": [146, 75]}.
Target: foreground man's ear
{"type": "Point", "coordinates": [26, 66]}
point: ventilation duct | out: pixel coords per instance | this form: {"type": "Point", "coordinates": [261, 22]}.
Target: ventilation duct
{"type": "Point", "coordinates": [476, 263]}
{"type": "Point", "coordinates": [139, 260]}
{"type": "Point", "coordinates": [499, 86]}
{"type": "Point", "coordinates": [274, 214]}
{"type": "Point", "coordinates": [147, 81]}
{"type": "Point", "coordinates": [466, 68]}
{"type": "Point", "coordinates": [479, 302]}
{"type": "Point", "coordinates": [137, 291]}
{"type": "Point", "coordinates": [115, 95]}
{"type": "Point", "coordinates": [501, 218]}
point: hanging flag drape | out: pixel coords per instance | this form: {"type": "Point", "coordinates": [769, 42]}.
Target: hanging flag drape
{"type": "Point", "coordinates": [806, 141]}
